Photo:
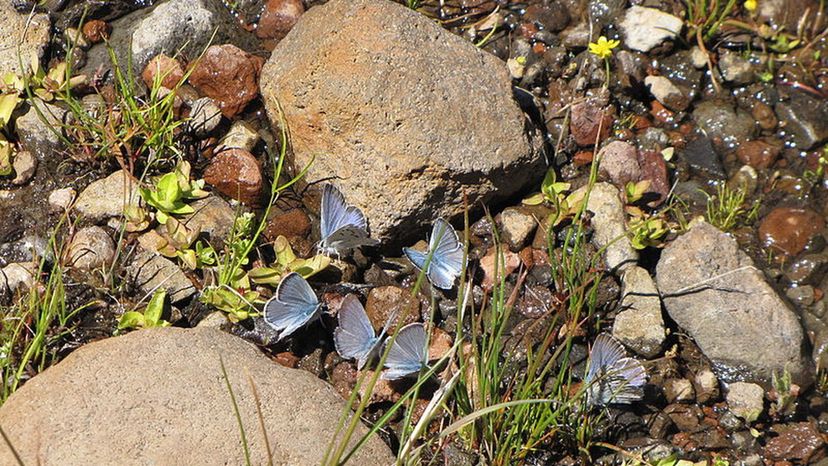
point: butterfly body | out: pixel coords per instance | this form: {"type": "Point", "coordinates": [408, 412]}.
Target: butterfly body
{"type": "Point", "coordinates": [408, 354]}
{"type": "Point", "coordinates": [446, 252]}
{"type": "Point", "coordinates": [613, 377]}
{"type": "Point", "coordinates": [355, 338]}
{"type": "Point", "coordinates": [293, 306]}
{"type": "Point", "coordinates": [343, 227]}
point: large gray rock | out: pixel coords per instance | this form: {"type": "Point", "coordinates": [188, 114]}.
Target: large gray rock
{"type": "Point", "coordinates": [712, 290]}
{"type": "Point", "coordinates": [406, 116]}
{"type": "Point", "coordinates": [174, 27]}
{"type": "Point", "coordinates": [158, 396]}
{"type": "Point", "coordinates": [20, 38]}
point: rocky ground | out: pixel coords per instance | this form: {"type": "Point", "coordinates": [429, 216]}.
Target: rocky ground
{"type": "Point", "coordinates": [653, 169]}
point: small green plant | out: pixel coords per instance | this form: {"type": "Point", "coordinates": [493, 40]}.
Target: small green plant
{"type": "Point", "coordinates": [555, 194]}
{"type": "Point", "coordinates": [231, 288]}
{"type": "Point", "coordinates": [168, 193]}
{"type": "Point", "coordinates": [150, 317]}
{"type": "Point", "coordinates": [132, 128]}
{"type": "Point", "coordinates": [822, 381]}
{"type": "Point", "coordinates": [783, 44]}
{"type": "Point", "coordinates": [647, 232]}
{"type": "Point", "coordinates": [635, 191]}
{"type": "Point", "coordinates": [286, 262]}
{"type": "Point", "coordinates": [35, 326]}
{"type": "Point", "coordinates": [706, 17]}
{"type": "Point", "coordinates": [783, 395]}
{"type": "Point", "coordinates": [728, 209]}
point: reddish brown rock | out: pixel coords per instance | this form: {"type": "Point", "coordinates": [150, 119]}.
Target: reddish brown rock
{"type": "Point", "coordinates": [96, 30]}
{"type": "Point", "coordinates": [291, 224]}
{"type": "Point", "coordinates": [168, 69]}
{"type": "Point", "coordinates": [236, 173]}
{"type": "Point", "coordinates": [228, 75]}
{"type": "Point", "coordinates": [384, 301]}
{"type": "Point", "coordinates": [654, 169]}
{"type": "Point", "coordinates": [758, 154]}
{"type": "Point", "coordinates": [788, 229]}
{"type": "Point", "coordinates": [439, 344]}
{"type": "Point", "coordinates": [587, 119]}
{"type": "Point", "coordinates": [278, 18]}
{"type": "Point", "coordinates": [582, 158]}
{"type": "Point", "coordinates": [763, 114]}
{"type": "Point", "coordinates": [343, 378]}
{"type": "Point", "coordinates": [508, 263]}
{"type": "Point", "coordinates": [800, 442]}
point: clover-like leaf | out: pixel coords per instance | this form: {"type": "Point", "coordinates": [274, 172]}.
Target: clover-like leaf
{"type": "Point", "coordinates": [265, 275]}
{"type": "Point", "coordinates": [534, 199]}
{"type": "Point", "coordinates": [131, 319]}
{"type": "Point", "coordinates": [155, 308]}
{"type": "Point", "coordinates": [309, 267]}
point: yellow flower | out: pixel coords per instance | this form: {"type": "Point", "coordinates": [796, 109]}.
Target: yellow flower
{"type": "Point", "coordinates": [751, 5]}
{"type": "Point", "coordinates": [603, 48]}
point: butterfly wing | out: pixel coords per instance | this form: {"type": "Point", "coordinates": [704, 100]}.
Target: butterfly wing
{"type": "Point", "coordinates": [340, 221]}
{"type": "Point", "coordinates": [605, 352]}
{"type": "Point", "coordinates": [354, 338]}
{"type": "Point", "coordinates": [407, 354]}
{"type": "Point", "coordinates": [613, 377]}
{"type": "Point", "coordinates": [627, 378]}
{"type": "Point", "coordinates": [347, 237]}
{"type": "Point", "coordinates": [294, 305]}
{"type": "Point", "coordinates": [416, 257]}
{"type": "Point", "coordinates": [447, 257]}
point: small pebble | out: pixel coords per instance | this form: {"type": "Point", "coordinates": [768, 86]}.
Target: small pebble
{"type": "Point", "coordinates": [25, 165]}
{"type": "Point", "coordinates": [205, 116]}
{"type": "Point", "coordinates": [678, 390]}
{"type": "Point", "coordinates": [746, 400]}
{"type": "Point", "coordinates": [61, 199]}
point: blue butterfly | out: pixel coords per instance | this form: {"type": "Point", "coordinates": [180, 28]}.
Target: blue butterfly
{"type": "Point", "coordinates": [613, 377]}
{"type": "Point", "coordinates": [355, 337]}
{"type": "Point", "coordinates": [446, 255]}
{"type": "Point", "coordinates": [408, 354]}
{"type": "Point", "coordinates": [343, 227]}
{"type": "Point", "coordinates": [293, 306]}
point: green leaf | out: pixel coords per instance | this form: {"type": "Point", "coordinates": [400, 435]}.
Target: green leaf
{"type": "Point", "coordinates": [161, 217]}
{"type": "Point", "coordinates": [168, 190]}
{"type": "Point", "coordinates": [265, 275]}
{"type": "Point", "coordinates": [284, 253]}
{"type": "Point", "coordinates": [179, 208]}
{"type": "Point", "coordinates": [188, 256]}
{"type": "Point", "coordinates": [547, 186]}
{"type": "Point", "coordinates": [534, 199]}
{"type": "Point", "coordinates": [8, 102]}
{"type": "Point", "coordinates": [206, 254]}
{"type": "Point", "coordinates": [5, 157]}
{"type": "Point", "coordinates": [155, 308]}
{"type": "Point", "coordinates": [131, 319]}
{"type": "Point", "coordinates": [312, 266]}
